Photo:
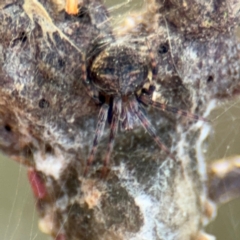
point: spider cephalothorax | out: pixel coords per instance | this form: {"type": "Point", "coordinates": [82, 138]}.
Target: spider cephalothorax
{"type": "Point", "coordinates": [119, 71]}
{"type": "Point", "coordinates": [118, 74]}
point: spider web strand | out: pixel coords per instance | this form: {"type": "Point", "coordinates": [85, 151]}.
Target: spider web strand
{"type": "Point", "coordinates": [163, 107]}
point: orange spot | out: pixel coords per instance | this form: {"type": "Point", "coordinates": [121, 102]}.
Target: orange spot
{"type": "Point", "coordinates": [91, 194]}
{"type": "Point", "coordinates": [93, 198]}
{"type": "Point", "coordinates": [72, 6]}
{"type": "Point", "coordinates": [209, 209]}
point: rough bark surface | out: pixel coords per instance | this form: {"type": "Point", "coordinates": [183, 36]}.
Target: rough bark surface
{"type": "Point", "coordinates": [48, 120]}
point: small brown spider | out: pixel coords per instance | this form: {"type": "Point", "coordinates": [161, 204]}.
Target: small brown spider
{"type": "Point", "coordinates": [118, 73]}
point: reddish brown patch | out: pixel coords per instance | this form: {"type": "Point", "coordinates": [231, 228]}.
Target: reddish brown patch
{"type": "Point", "coordinates": [37, 184]}
{"type": "Point", "coordinates": [60, 237]}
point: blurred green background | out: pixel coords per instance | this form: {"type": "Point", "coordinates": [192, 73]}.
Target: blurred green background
{"type": "Point", "coordinates": [19, 220]}
{"type": "Point", "coordinates": [224, 142]}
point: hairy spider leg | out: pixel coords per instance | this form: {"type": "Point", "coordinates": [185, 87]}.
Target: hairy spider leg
{"type": "Point", "coordinates": [90, 88]}
{"type": "Point", "coordinates": [134, 107]}
{"type": "Point", "coordinates": [102, 118]}
{"type": "Point", "coordinates": [117, 106]}
{"type": "Point", "coordinates": [164, 107]}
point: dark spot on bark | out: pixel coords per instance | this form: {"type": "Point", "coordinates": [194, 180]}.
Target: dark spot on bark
{"type": "Point", "coordinates": [49, 149]}
{"type": "Point", "coordinates": [163, 48]}
{"type": "Point", "coordinates": [23, 37]}
{"type": "Point", "coordinates": [210, 79]}
{"type": "Point", "coordinates": [8, 128]}
{"type": "Point", "coordinates": [43, 103]}
{"type": "Point", "coordinates": [61, 62]}
{"type": "Point", "coordinates": [83, 13]}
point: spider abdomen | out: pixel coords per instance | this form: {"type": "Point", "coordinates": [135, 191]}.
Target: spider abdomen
{"type": "Point", "coordinates": [119, 70]}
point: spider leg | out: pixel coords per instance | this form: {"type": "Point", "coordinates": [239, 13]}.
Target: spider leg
{"type": "Point", "coordinates": [134, 107]}
{"type": "Point", "coordinates": [117, 105]}
{"type": "Point", "coordinates": [148, 91]}
{"type": "Point", "coordinates": [90, 88]}
{"type": "Point", "coordinates": [163, 107]}
{"type": "Point", "coordinates": [102, 118]}
{"type": "Point", "coordinates": [91, 91]}
{"type": "Point", "coordinates": [127, 119]}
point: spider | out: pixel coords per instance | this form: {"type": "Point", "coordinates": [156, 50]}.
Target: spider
{"type": "Point", "coordinates": [115, 78]}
